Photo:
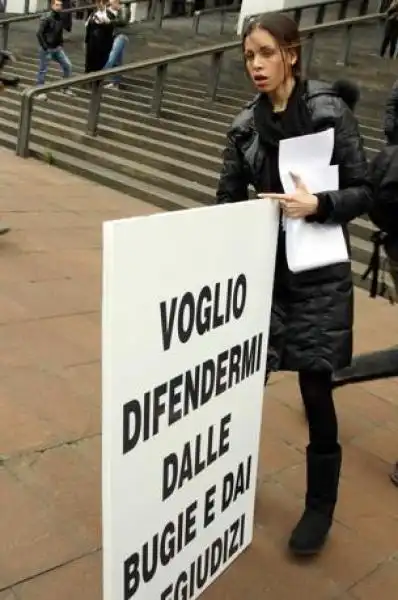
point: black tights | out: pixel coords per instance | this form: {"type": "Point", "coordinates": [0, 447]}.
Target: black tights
{"type": "Point", "coordinates": [316, 392]}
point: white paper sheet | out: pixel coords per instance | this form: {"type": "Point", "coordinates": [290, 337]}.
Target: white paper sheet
{"type": "Point", "coordinates": [313, 149]}
{"type": "Point", "coordinates": [311, 245]}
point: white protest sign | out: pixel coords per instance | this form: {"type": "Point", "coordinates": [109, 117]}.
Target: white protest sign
{"type": "Point", "coordinates": [186, 307]}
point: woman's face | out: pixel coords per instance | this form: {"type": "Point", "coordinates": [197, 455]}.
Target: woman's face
{"type": "Point", "coordinates": [268, 65]}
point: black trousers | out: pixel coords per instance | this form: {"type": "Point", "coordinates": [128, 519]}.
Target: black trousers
{"type": "Point", "coordinates": [317, 395]}
{"type": "Point", "coordinates": [390, 38]}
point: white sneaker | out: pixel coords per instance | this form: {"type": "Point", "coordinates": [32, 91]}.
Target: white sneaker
{"type": "Point", "coordinates": [111, 86]}
{"type": "Point", "coordinates": [41, 96]}
{"type": "Point", "coordinates": [68, 92]}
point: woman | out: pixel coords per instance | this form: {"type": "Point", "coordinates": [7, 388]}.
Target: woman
{"type": "Point", "coordinates": [99, 38]}
{"type": "Point", "coordinates": [391, 30]}
{"type": "Point", "coordinates": [311, 320]}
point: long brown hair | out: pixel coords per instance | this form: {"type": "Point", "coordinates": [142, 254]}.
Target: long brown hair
{"type": "Point", "coordinates": [283, 29]}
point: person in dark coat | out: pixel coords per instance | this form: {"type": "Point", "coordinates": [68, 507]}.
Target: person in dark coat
{"type": "Point", "coordinates": [98, 38]}
{"type": "Point", "coordinates": [117, 15]}
{"type": "Point", "coordinates": [312, 312]}
{"type": "Point", "coordinates": [390, 38]}
{"type": "Point", "coordinates": [391, 116]}
{"type": "Point", "coordinates": [381, 364]}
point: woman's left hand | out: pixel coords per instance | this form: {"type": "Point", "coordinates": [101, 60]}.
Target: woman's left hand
{"type": "Point", "coordinates": [298, 205]}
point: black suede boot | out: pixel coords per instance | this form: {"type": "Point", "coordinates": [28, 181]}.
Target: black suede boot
{"type": "Point", "coordinates": [323, 473]}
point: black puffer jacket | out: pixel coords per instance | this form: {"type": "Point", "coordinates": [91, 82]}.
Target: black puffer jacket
{"type": "Point", "coordinates": [312, 313]}
{"type": "Point", "coordinates": [50, 33]}
{"type": "Point", "coordinates": [384, 176]}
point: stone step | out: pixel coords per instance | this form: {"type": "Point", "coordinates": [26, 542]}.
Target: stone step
{"type": "Point", "coordinates": [171, 109]}
{"type": "Point", "coordinates": [230, 95]}
{"type": "Point", "coordinates": [162, 178]}
{"type": "Point", "coordinates": [372, 101]}
{"type": "Point", "coordinates": [120, 181]}
{"type": "Point", "coordinates": [177, 88]}
{"type": "Point", "coordinates": [124, 101]}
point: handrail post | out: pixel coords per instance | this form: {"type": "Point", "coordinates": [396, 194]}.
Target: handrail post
{"type": "Point", "coordinates": [195, 22]}
{"type": "Point", "coordinates": [86, 13]}
{"type": "Point", "coordinates": [320, 15]}
{"type": "Point", "coordinates": [308, 52]}
{"type": "Point", "coordinates": [25, 124]}
{"type": "Point", "coordinates": [190, 4]}
{"type": "Point", "coordinates": [297, 16]}
{"type": "Point", "coordinates": [346, 46]}
{"type": "Point", "coordinates": [6, 31]}
{"type": "Point", "coordinates": [160, 14]}
{"type": "Point", "coordinates": [363, 8]}
{"type": "Point", "coordinates": [343, 10]}
{"type": "Point", "coordinates": [94, 108]}
{"type": "Point", "coordinates": [223, 17]}
{"type": "Point", "coordinates": [158, 89]}
{"type": "Point", "coordinates": [215, 71]}
{"type": "Point", "coordinates": [153, 7]}
{"type": "Point", "coordinates": [26, 7]}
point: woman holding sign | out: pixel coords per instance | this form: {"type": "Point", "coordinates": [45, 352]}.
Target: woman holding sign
{"type": "Point", "coordinates": [312, 312]}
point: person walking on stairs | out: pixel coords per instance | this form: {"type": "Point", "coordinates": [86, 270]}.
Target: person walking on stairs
{"type": "Point", "coordinates": [390, 38]}
{"type": "Point", "coordinates": [120, 40]}
{"type": "Point", "coordinates": [312, 311]}
{"type": "Point", "coordinates": [99, 38]}
{"type": "Point", "coordinates": [50, 37]}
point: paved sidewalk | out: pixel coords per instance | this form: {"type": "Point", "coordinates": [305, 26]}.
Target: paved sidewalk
{"type": "Point", "coordinates": [50, 266]}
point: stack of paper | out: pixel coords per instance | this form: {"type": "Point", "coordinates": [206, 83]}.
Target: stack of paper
{"type": "Point", "coordinates": [311, 245]}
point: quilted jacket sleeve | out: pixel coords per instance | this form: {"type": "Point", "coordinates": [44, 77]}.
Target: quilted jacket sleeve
{"type": "Point", "coordinates": [391, 114]}
{"type": "Point", "coordinates": [384, 174]}
{"type": "Point", "coordinates": [355, 194]}
{"type": "Point", "coordinates": [232, 185]}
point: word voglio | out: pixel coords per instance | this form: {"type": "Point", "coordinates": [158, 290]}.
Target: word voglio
{"type": "Point", "coordinates": [208, 311]}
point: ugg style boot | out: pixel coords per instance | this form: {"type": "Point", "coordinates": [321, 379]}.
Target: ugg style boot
{"type": "Point", "coordinates": [323, 473]}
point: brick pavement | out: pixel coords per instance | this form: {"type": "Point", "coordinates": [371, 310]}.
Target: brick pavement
{"type": "Point", "coordinates": [50, 268]}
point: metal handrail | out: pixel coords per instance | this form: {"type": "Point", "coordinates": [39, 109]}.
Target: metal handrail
{"type": "Point", "coordinates": [297, 11]}
{"type": "Point", "coordinates": [5, 23]}
{"type": "Point", "coordinates": [161, 64]}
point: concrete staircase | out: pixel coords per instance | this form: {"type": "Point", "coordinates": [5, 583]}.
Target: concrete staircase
{"type": "Point", "coordinates": [174, 161]}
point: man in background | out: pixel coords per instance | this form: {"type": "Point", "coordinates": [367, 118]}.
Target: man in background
{"type": "Point", "coordinates": [51, 41]}
{"type": "Point", "coordinates": [120, 40]}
